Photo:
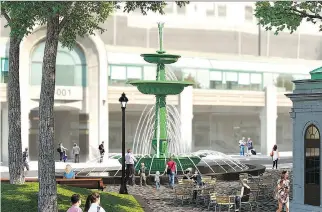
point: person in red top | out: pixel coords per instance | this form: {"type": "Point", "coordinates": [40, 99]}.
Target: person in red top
{"type": "Point", "coordinates": [171, 169]}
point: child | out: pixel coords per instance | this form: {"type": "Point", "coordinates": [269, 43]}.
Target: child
{"type": "Point", "coordinates": [65, 156]}
{"type": "Point", "coordinates": [157, 180]}
{"type": "Point", "coordinates": [142, 174]}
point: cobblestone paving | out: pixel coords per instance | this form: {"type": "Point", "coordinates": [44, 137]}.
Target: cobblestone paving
{"type": "Point", "coordinates": [164, 199]}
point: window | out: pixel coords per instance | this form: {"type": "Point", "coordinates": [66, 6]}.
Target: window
{"type": "Point", "coordinates": [211, 11]}
{"type": "Point", "coordinates": [149, 72]}
{"type": "Point", "coordinates": [249, 13]}
{"type": "Point", "coordinates": [312, 166]}
{"type": "Point", "coordinates": [71, 69]}
{"type": "Point", "coordinates": [4, 70]}
{"type": "Point", "coordinates": [231, 80]}
{"type": "Point", "coordinates": [134, 73]}
{"type": "Point", "coordinates": [255, 81]}
{"type": "Point", "coordinates": [118, 73]}
{"type": "Point", "coordinates": [181, 10]}
{"type": "Point", "coordinates": [222, 11]}
{"type": "Point", "coordinates": [244, 81]}
{"type": "Point", "coordinates": [216, 80]}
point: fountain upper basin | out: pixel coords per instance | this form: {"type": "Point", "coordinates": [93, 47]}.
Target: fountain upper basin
{"type": "Point", "coordinates": [160, 58]}
{"type": "Point", "coordinates": [160, 87]}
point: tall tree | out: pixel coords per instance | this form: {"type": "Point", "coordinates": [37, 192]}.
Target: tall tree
{"type": "Point", "coordinates": [280, 15]}
{"type": "Point", "coordinates": [20, 19]}
{"type": "Point", "coordinates": [65, 21]}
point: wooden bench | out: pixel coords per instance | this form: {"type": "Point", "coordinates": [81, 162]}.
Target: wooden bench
{"type": "Point", "coordinates": [7, 180]}
{"type": "Point", "coordinates": [90, 183]}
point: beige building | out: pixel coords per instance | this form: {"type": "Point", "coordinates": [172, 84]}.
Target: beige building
{"type": "Point", "coordinates": [241, 74]}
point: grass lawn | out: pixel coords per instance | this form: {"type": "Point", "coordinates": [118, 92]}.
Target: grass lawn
{"type": "Point", "coordinates": [16, 198]}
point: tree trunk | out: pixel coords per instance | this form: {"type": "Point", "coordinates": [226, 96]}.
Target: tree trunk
{"type": "Point", "coordinates": [47, 197]}
{"type": "Point", "coordinates": [14, 115]}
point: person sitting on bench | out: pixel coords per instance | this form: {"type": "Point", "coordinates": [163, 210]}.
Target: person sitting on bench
{"type": "Point", "coordinates": [69, 174]}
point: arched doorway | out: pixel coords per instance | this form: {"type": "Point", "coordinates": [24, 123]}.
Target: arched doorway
{"type": "Point", "coordinates": [312, 166]}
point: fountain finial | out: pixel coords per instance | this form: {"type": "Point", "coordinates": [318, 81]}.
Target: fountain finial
{"type": "Point", "coordinates": [160, 27]}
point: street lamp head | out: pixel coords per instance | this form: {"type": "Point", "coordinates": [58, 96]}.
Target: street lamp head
{"type": "Point", "coordinates": [123, 100]}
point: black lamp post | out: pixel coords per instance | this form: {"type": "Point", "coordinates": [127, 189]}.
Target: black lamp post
{"type": "Point", "coordinates": [123, 100]}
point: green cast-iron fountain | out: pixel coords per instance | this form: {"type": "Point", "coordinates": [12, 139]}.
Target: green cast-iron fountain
{"type": "Point", "coordinates": [161, 88]}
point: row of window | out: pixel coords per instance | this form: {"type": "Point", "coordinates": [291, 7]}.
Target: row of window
{"type": "Point", "coordinates": [215, 10]}
{"type": "Point", "coordinates": [205, 78]}
{"type": "Point", "coordinates": [75, 75]}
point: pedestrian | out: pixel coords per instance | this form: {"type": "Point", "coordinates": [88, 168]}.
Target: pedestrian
{"type": "Point", "coordinates": [283, 192]}
{"type": "Point", "coordinates": [102, 151]}
{"type": "Point", "coordinates": [130, 172]}
{"type": "Point", "coordinates": [76, 202]}
{"type": "Point", "coordinates": [62, 151]}
{"type": "Point", "coordinates": [171, 169]}
{"type": "Point", "coordinates": [157, 180]}
{"type": "Point", "coordinates": [142, 173]}
{"type": "Point", "coordinates": [93, 203]}
{"type": "Point", "coordinates": [242, 146]}
{"type": "Point", "coordinates": [25, 158]}
{"type": "Point", "coordinates": [275, 156]}
{"type": "Point", "coordinates": [76, 151]}
{"type": "Point", "coordinates": [249, 146]}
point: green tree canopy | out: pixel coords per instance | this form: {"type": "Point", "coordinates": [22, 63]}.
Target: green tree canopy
{"type": "Point", "coordinates": [280, 15]}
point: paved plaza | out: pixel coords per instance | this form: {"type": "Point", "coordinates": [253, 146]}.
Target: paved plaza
{"type": "Point", "coordinates": [164, 199]}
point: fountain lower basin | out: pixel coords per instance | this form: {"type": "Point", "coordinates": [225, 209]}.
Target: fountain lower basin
{"type": "Point", "coordinates": [159, 164]}
{"type": "Point", "coordinates": [160, 87]}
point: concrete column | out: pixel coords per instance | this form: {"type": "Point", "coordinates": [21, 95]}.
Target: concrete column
{"type": "Point", "coordinates": [1, 133]}
{"type": "Point", "coordinates": [4, 135]}
{"type": "Point", "coordinates": [186, 115]}
{"type": "Point", "coordinates": [268, 118]}
{"type": "Point", "coordinates": [93, 111]}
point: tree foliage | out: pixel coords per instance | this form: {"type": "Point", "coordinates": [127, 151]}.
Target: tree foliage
{"type": "Point", "coordinates": [280, 15]}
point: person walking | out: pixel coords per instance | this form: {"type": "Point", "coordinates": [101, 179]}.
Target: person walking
{"type": "Point", "coordinates": [102, 151]}
{"type": "Point", "coordinates": [242, 146]}
{"type": "Point", "coordinates": [142, 173]}
{"type": "Point", "coordinates": [283, 192]}
{"type": "Point", "coordinates": [76, 151]}
{"type": "Point", "coordinates": [62, 151]}
{"type": "Point", "coordinates": [25, 159]}
{"type": "Point", "coordinates": [275, 156]}
{"type": "Point", "coordinates": [130, 172]}
{"type": "Point", "coordinates": [249, 147]}
{"type": "Point", "coordinates": [171, 169]}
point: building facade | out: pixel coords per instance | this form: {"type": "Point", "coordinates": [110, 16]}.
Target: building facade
{"type": "Point", "coordinates": [240, 71]}
{"type": "Point", "coordinates": [306, 115]}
